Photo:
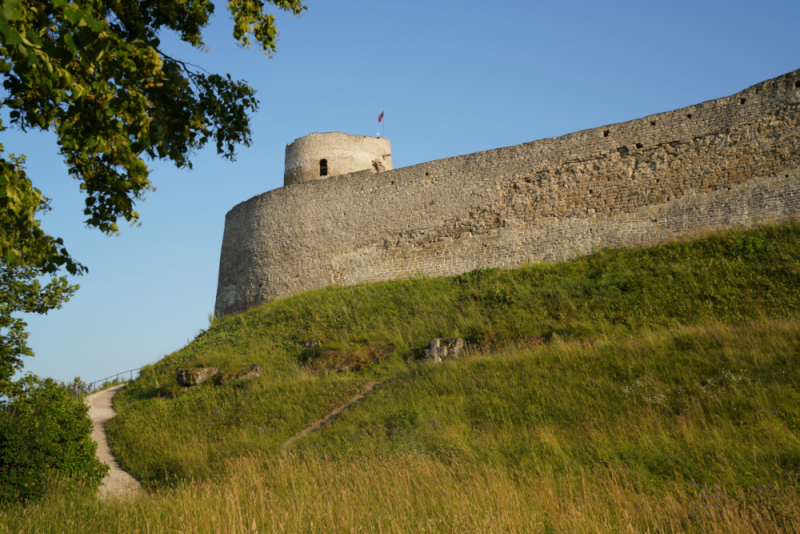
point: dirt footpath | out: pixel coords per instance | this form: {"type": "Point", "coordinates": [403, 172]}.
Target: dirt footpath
{"type": "Point", "coordinates": [118, 483]}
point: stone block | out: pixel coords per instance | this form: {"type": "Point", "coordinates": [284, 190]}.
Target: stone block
{"type": "Point", "coordinates": [194, 376]}
{"type": "Point", "coordinates": [442, 348]}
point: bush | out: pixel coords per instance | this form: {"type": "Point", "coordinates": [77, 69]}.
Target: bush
{"type": "Point", "coordinates": [45, 441]}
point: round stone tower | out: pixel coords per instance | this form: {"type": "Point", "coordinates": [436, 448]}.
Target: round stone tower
{"type": "Point", "coordinates": [321, 155]}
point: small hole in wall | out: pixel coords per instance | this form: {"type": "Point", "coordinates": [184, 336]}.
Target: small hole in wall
{"type": "Point", "coordinates": [797, 84]}
{"type": "Point", "coordinates": [605, 134]}
{"type": "Point", "coordinates": [652, 123]}
{"type": "Point", "coordinates": [392, 183]}
{"type": "Point", "coordinates": [689, 116]}
{"type": "Point", "coordinates": [261, 284]}
{"type": "Point", "coordinates": [323, 167]}
{"type": "Point", "coordinates": [427, 174]}
{"type": "Point", "coordinates": [639, 145]}
{"type": "Point", "coordinates": [742, 100]}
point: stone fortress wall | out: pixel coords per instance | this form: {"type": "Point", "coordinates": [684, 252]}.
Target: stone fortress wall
{"type": "Point", "coordinates": [342, 154]}
{"type": "Point", "coordinates": [725, 162]}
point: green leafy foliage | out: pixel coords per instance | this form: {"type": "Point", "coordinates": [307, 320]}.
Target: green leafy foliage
{"type": "Point", "coordinates": [92, 71]}
{"type": "Point", "coordinates": [23, 265]}
{"type": "Point", "coordinates": [44, 437]}
{"type": "Point", "coordinates": [45, 442]}
{"type": "Point", "coordinates": [21, 291]}
{"type": "Point", "coordinates": [22, 240]}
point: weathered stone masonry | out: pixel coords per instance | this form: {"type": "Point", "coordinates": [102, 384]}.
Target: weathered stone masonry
{"type": "Point", "coordinates": [731, 161]}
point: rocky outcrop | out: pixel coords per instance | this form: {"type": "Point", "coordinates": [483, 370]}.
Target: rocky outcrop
{"type": "Point", "coordinates": [441, 348]}
{"type": "Point", "coordinates": [198, 375]}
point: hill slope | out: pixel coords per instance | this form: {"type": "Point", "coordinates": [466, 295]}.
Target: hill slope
{"type": "Point", "coordinates": [381, 329]}
{"type": "Point", "coordinates": [657, 388]}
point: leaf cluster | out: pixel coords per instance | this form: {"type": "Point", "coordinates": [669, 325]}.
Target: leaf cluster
{"type": "Point", "coordinates": [22, 291]}
{"type": "Point", "coordinates": [22, 239]}
{"type": "Point", "coordinates": [28, 253]}
{"type": "Point", "coordinates": [93, 72]}
{"type": "Point", "coordinates": [45, 438]}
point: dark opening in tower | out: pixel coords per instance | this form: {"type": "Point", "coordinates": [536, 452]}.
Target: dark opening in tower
{"type": "Point", "coordinates": [323, 167]}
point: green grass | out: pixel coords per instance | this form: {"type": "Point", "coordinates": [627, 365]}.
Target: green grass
{"type": "Point", "coordinates": [655, 389]}
{"type": "Point", "coordinates": [707, 405]}
{"type": "Point", "coordinates": [162, 433]}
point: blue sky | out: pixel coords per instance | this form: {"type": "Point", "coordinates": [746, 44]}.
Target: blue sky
{"type": "Point", "coordinates": [455, 78]}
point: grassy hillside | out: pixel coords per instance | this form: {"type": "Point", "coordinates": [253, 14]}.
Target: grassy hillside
{"type": "Point", "coordinates": [652, 389]}
{"type": "Point", "coordinates": [380, 330]}
{"type": "Point", "coordinates": [690, 429]}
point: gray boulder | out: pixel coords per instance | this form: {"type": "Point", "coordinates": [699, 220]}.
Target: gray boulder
{"type": "Point", "coordinates": [198, 375]}
{"type": "Point", "coordinates": [441, 348]}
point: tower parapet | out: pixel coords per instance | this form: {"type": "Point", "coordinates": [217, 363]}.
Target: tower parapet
{"type": "Point", "coordinates": [318, 156]}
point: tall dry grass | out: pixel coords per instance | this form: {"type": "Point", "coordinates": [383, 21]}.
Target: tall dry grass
{"type": "Point", "coordinates": [415, 494]}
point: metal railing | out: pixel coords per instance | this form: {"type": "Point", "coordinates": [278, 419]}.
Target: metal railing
{"type": "Point", "coordinates": [94, 385]}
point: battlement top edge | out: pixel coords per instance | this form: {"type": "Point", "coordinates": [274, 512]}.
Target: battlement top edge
{"type": "Point", "coordinates": [327, 134]}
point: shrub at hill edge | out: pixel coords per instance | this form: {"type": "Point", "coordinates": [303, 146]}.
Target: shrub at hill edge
{"type": "Point", "coordinates": [45, 442]}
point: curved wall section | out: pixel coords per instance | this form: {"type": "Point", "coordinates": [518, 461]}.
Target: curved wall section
{"type": "Point", "coordinates": [342, 154]}
{"type": "Point", "coordinates": [731, 161]}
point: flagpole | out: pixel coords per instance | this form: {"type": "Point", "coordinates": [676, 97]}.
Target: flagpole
{"type": "Point", "coordinates": [383, 122]}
